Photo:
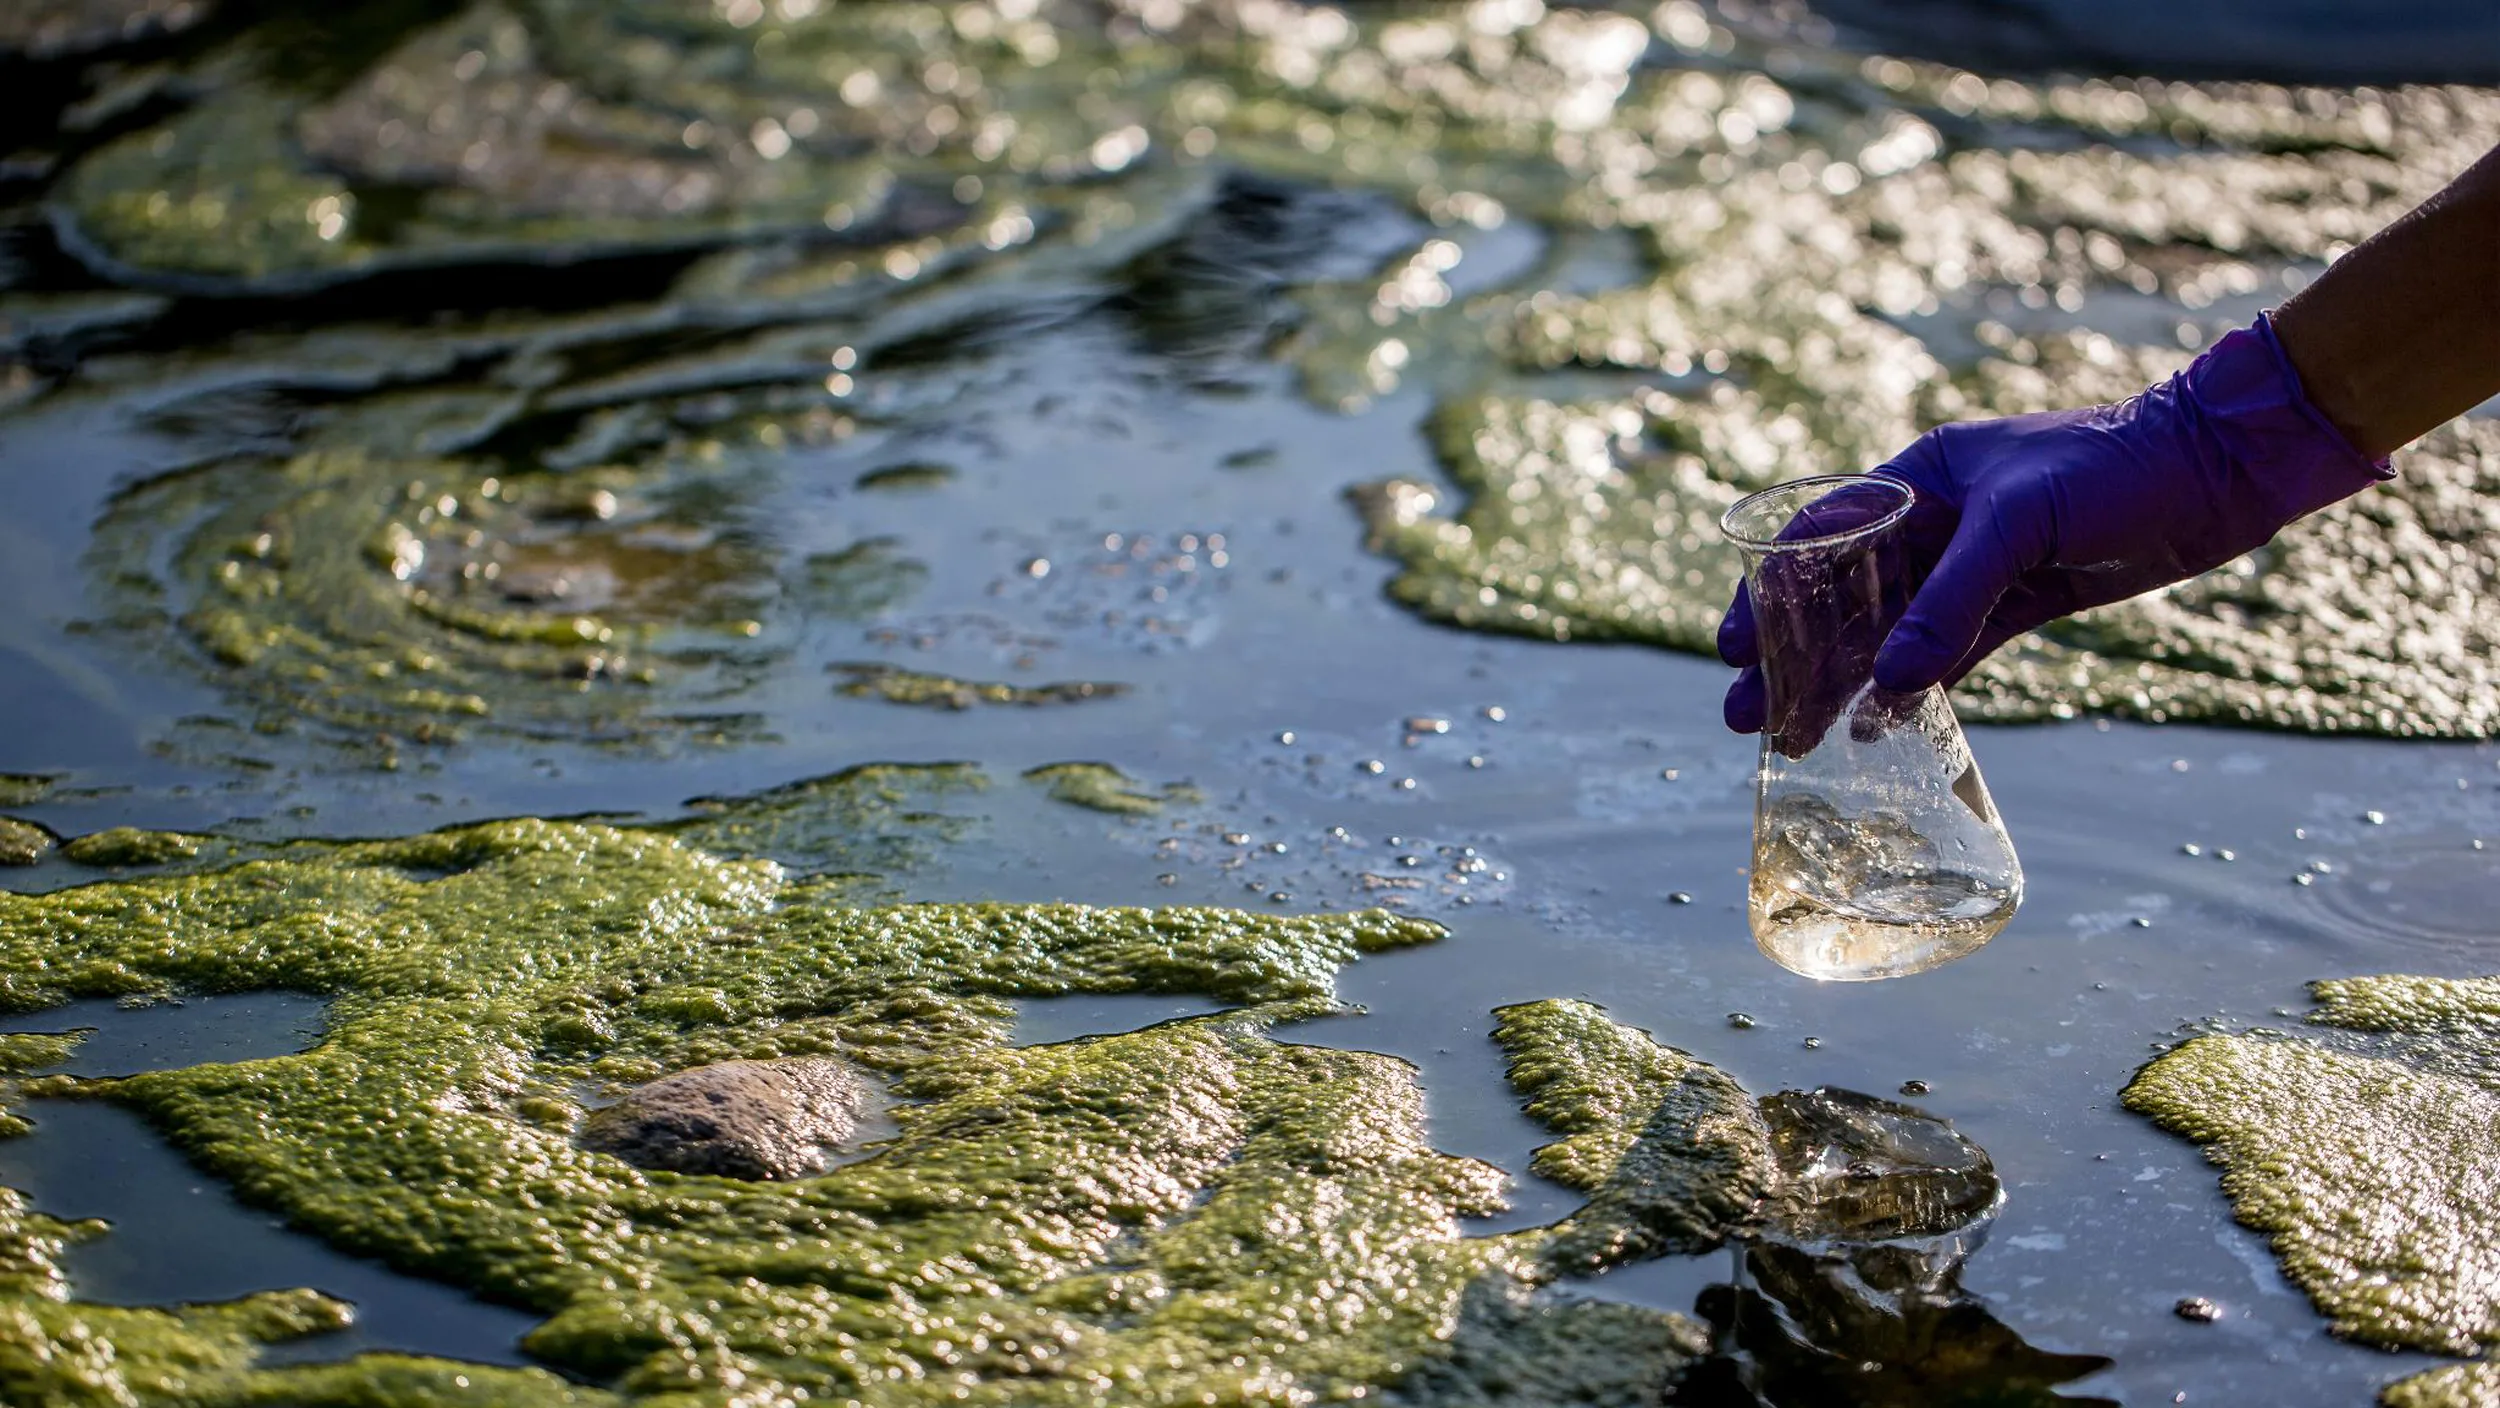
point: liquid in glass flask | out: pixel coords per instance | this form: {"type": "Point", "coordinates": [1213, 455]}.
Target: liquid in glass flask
{"type": "Point", "coordinates": [1877, 850]}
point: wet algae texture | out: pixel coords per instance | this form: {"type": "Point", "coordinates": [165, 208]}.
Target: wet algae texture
{"type": "Point", "coordinates": [2365, 1153]}
{"type": "Point", "coordinates": [547, 522]}
{"type": "Point", "coordinates": [1198, 1211]}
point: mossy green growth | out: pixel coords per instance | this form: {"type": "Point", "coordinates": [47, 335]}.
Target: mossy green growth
{"type": "Point", "coordinates": [1149, 1218]}
{"type": "Point", "coordinates": [1104, 788]}
{"type": "Point", "coordinates": [132, 846]}
{"type": "Point", "coordinates": [22, 842]}
{"type": "Point", "coordinates": [19, 789]}
{"type": "Point", "coordinates": [55, 1351]}
{"type": "Point", "coordinates": [1598, 521]}
{"type": "Point", "coordinates": [21, 1052]}
{"type": "Point", "coordinates": [1672, 1152]}
{"type": "Point", "coordinates": [928, 691]}
{"type": "Point", "coordinates": [2368, 1159]}
{"type": "Point", "coordinates": [2456, 1386]}
{"type": "Point", "coordinates": [415, 599]}
{"type": "Point", "coordinates": [877, 819]}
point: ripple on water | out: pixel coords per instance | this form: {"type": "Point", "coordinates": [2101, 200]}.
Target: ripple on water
{"type": "Point", "coordinates": [2424, 894]}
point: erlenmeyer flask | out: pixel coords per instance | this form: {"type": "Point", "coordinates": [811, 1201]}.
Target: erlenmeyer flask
{"type": "Point", "coordinates": [1877, 851]}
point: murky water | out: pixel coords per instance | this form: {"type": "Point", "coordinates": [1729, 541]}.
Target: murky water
{"type": "Point", "coordinates": [1112, 471]}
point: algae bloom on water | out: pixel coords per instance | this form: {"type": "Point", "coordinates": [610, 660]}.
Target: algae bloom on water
{"type": "Point", "coordinates": [2366, 1155]}
{"type": "Point", "coordinates": [1195, 1209]}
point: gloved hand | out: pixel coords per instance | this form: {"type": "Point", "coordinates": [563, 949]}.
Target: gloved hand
{"type": "Point", "coordinates": [2023, 520]}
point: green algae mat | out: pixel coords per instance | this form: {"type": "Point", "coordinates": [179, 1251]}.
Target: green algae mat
{"type": "Point", "coordinates": [1198, 1211]}
{"type": "Point", "coordinates": [485, 525]}
{"type": "Point", "coordinates": [2366, 1155]}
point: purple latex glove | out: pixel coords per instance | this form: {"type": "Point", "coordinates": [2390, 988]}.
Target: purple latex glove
{"type": "Point", "coordinates": [2023, 520]}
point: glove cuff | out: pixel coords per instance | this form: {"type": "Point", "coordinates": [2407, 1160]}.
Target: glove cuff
{"type": "Point", "coordinates": [2251, 401]}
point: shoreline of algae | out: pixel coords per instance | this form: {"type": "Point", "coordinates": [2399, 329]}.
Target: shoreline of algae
{"type": "Point", "coordinates": [1139, 1218]}
{"type": "Point", "coordinates": [2366, 1159]}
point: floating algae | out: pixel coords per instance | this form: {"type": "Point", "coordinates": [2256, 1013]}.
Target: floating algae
{"type": "Point", "coordinates": [2457, 1386]}
{"type": "Point", "coordinates": [1794, 215]}
{"type": "Point", "coordinates": [18, 789]}
{"type": "Point", "coordinates": [131, 846]}
{"type": "Point", "coordinates": [1104, 788]}
{"type": "Point", "coordinates": [1149, 1217]}
{"type": "Point", "coordinates": [1593, 520]}
{"type": "Point", "coordinates": [413, 598]}
{"type": "Point", "coordinates": [899, 686]}
{"type": "Point", "coordinates": [1671, 1152]}
{"type": "Point", "coordinates": [21, 1052]}
{"type": "Point", "coordinates": [2366, 1158]}
{"type": "Point", "coordinates": [22, 842]}
{"type": "Point", "coordinates": [874, 820]}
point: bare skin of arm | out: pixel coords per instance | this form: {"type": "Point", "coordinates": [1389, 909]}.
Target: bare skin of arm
{"type": "Point", "coordinates": [2403, 333]}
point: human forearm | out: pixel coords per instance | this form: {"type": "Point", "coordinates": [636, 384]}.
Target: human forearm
{"type": "Point", "coordinates": [2403, 333]}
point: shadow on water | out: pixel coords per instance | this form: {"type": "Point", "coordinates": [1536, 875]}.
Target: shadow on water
{"type": "Point", "coordinates": [1886, 1326]}
{"type": "Point", "coordinates": [179, 1235]}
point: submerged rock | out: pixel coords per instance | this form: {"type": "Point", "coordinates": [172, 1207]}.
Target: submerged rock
{"type": "Point", "coordinates": [735, 1119]}
{"type": "Point", "coordinates": [2364, 1152]}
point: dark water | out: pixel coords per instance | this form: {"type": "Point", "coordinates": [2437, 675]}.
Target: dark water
{"type": "Point", "coordinates": [2295, 41]}
{"type": "Point", "coordinates": [1606, 788]}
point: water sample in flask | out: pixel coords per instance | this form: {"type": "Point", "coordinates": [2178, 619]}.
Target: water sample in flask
{"type": "Point", "coordinates": [1877, 851]}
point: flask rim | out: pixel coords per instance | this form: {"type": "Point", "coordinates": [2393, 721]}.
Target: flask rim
{"type": "Point", "coordinates": [1818, 485]}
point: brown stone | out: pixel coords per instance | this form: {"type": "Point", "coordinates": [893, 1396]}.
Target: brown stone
{"type": "Point", "coordinates": [737, 1119]}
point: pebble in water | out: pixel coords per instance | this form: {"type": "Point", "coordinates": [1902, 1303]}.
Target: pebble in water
{"type": "Point", "coordinates": [1814, 1043]}
{"type": "Point", "coordinates": [1915, 1087]}
{"type": "Point", "coordinates": [1741, 1021]}
{"type": "Point", "coordinates": [1680, 897]}
{"type": "Point", "coordinates": [2197, 1309]}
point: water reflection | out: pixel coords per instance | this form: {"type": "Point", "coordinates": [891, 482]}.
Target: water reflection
{"type": "Point", "coordinates": [1855, 1297]}
{"type": "Point", "coordinates": [1882, 1326]}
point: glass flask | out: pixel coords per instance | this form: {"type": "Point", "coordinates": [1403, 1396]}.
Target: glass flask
{"type": "Point", "coordinates": [1877, 851]}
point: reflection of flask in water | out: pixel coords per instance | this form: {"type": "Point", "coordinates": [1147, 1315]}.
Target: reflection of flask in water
{"type": "Point", "coordinates": [1877, 851]}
